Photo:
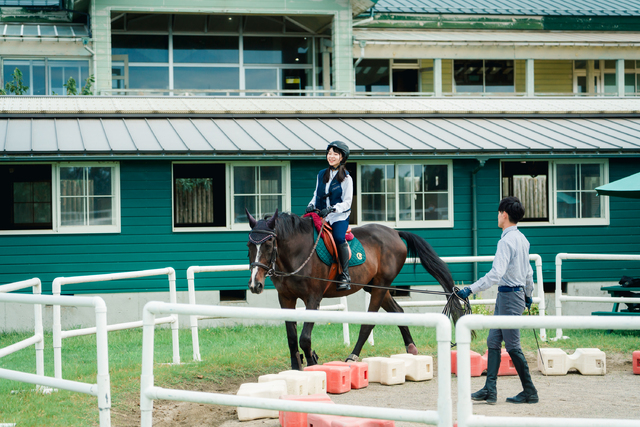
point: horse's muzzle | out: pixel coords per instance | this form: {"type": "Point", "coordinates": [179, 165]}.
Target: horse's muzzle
{"type": "Point", "coordinates": [256, 288]}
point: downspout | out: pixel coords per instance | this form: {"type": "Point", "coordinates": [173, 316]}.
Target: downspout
{"type": "Point", "coordinates": [363, 43]}
{"type": "Point", "coordinates": [474, 214]}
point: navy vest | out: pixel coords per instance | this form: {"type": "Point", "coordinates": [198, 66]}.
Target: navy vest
{"type": "Point", "coordinates": [335, 191]}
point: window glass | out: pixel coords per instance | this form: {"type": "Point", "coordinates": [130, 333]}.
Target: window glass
{"type": "Point", "coordinates": [147, 22]}
{"type": "Point", "coordinates": [372, 75]}
{"type": "Point", "coordinates": [263, 24]}
{"type": "Point", "coordinates": [609, 64]}
{"type": "Point", "coordinates": [224, 23]}
{"type": "Point", "coordinates": [277, 50]}
{"type": "Point", "coordinates": [378, 192]}
{"type": "Point", "coordinates": [61, 71]}
{"type": "Point", "coordinates": [258, 189]}
{"type": "Point", "coordinates": [209, 49]}
{"type": "Point", "coordinates": [199, 195]}
{"type": "Point", "coordinates": [148, 77]}
{"type": "Point", "coordinates": [206, 78]}
{"type": "Point", "coordinates": [33, 75]}
{"type": "Point", "coordinates": [141, 48]}
{"type": "Point", "coordinates": [528, 181]}
{"type": "Point", "coordinates": [609, 83]}
{"type": "Point", "coordinates": [190, 23]}
{"type": "Point", "coordinates": [469, 76]}
{"type": "Point", "coordinates": [629, 83]}
{"type": "Point", "coordinates": [423, 192]}
{"type": "Point", "coordinates": [26, 189]}
{"type": "Point", "coordinates": [499, 76]}
{"type": "Point", "coordinates": [576, 190]}
{"type": "Point", "coordinates": [629, 64]}
{"type": "Point", "coordinates": [261, 78]}
{"type": "Point", "coordinates": [296, 79]}
{"type": "Point", "coordinates": [405, 81]}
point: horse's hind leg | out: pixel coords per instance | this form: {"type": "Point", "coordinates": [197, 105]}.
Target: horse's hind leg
{"type": "Point", "coordinates": [391, 306]}
{"type": "Point", "coordinates": [365, 330]}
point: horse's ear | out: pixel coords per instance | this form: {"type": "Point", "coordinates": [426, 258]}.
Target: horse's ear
{"type": "Point", "coordinates": [252, 220]}
{"type": "Point", "coordinates": [271, 222]}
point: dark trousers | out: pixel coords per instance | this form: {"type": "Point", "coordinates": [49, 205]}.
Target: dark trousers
{"type": "Point", "coordinates": [507, 304]}
{"type": "Point", "coordinates": [339, 230]}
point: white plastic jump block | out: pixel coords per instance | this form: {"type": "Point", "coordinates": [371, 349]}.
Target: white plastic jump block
{"type": "Point", "coordinates": [418, 367]}
{"type": "Point", "coordinates": [588, 361]}
{"type": "Point", "coordinates": [296, 385]}
{"type": "Point", "coordinates": [271, 389]}
{"type": "Point", "coordinates": [385, 370]}
{"type": "Point", "coordinates": [316, 380]}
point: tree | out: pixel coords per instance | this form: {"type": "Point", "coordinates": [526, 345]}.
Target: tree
{"type": "Point", "coordinates": [16, 86]}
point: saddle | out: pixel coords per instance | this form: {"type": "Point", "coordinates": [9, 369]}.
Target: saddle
{"type": "Point", "coordinates": [327, 237]}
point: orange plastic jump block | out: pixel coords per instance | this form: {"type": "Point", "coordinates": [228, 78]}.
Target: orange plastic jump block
{"type": "Point", "coordinates": [338, 377]}
{"type": "Point", "coordinates": [478, 364]}
{"type": "Point", "coordinates": [299, 419]}
{"type": "Point", "coordinates": [636, 362]}
{"type": "Point", "coordinates": [319, 420]}
{"type": "Point", "coordinates": [359, 373]}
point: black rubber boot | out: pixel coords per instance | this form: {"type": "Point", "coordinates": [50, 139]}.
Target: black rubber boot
{"type": "Point", "coordinates": [529, 394]}
{"type": "Point", "coordinates": [343, 256]}
{"type": "Point", "coordinates": [489, 392]}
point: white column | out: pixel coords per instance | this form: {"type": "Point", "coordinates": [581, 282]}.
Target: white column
{"type": "Point", "coordinates": [529, 78]}
{"type": "Point", "coordinates": [437, 77]}
{"type": "Point", "coordinates": [620, 77]}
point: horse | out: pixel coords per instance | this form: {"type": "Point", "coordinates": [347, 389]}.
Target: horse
{"type": "Point", "coordinates": [284, 243]}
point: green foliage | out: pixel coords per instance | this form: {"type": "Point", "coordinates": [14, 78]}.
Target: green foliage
{"type": "Point", "coordinates": [86, 89]}
{"type": "Point", "coordinates": [71, 86]}
{"type": "Point", "coordinates": [16, 86]}
{"type": "Point", "coordinates": [190, 184]}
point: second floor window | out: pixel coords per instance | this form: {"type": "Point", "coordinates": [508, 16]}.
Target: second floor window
{"type": "Point", "coordinates": [480, 75]}
{"type": "Point", "coordinates": [46, 76]}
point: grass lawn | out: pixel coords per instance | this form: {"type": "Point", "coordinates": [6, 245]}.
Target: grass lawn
{"type": "Point", "coordinates": [230, 355]}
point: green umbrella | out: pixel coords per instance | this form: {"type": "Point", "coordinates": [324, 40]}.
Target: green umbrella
{"type": "Point", "coordinates": [626, 187]}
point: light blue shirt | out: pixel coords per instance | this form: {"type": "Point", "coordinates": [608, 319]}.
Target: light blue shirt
{"type": "Point", "coordinates": [511, 266]}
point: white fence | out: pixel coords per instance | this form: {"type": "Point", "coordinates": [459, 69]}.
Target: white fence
{"type": "Point", "coordinates": [102, 388]}
{"type": "Point", "coordinates": [476, 322]}
{"type": "Point", "coordinates": [59, 334]}
{"type": "Point", "coordinates": [148, 392]}
{"type": "Point", "coordinates": [591, 257]}
{"type": "Point", "coordinates": [38, 330]}
{"type": "Point", "coordinates": [193, 320]}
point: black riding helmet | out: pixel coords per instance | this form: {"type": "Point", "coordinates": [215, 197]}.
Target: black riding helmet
{"type": "Point", "coordinates": [342, 147]}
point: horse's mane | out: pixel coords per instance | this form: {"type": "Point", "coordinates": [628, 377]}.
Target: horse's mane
{"type": "Point", "coordinates": [290, 224]}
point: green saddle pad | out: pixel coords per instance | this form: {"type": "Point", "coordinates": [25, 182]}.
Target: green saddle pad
{"type": "Point", "coordinates": [357, 252]}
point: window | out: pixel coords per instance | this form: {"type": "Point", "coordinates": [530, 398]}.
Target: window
{"type": "Point", "coordinates": [483, 76]}
{"type": "Point", "coordinates": [211, 195]}
{"type": "Point", "coordinates": [372, 75]}
{"type": "Point", "coordinates": [631, 77]}
{"type": "Point", "coordinates": [60, 197]}
{"type": "Point", "coordinates": [47, 77]}
{"type": "Point", "coordinates": [406, 194]}
{"type": "Point", "coordinates": [558, 192]}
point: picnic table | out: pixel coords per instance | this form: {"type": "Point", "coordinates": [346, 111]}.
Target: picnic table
{"type": "Point", "coordinates": [633, 309]}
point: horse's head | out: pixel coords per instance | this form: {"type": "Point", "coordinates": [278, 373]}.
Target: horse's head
{"type": "Point", "coordinates": [262, 250]}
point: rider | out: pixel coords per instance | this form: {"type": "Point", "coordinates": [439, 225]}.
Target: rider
{"type": "Point", "coordinates": [333, 196]}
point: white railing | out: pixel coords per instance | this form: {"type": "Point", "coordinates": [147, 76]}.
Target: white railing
{"type": "Point", "coordinates": [59, 334]}
{"type": "Point", "coordinates": [591, 257]}
{"type": "Point", "coordinates": [148, 392]}
{"type": "Point", "coordinates": [102, 388]}
{"type": "Point", "coordinates": [489, 258]}
{"type": "Point", "coordinates": [476, 322]}
{"type": "Point", "coordinates": [193, 320]}
{"type": "Point", "coordinates": [38, 331]}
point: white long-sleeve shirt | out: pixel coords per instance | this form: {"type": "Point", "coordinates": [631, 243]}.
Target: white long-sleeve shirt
{"type": "Point", "coordinates": [343, 209]}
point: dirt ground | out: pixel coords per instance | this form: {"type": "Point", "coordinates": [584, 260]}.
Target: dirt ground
{"type": "Point", "coordinates": [614, 395]}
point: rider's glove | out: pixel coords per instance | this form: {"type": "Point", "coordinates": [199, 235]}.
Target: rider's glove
{"type": "Point", "coordinates": [309, 209]}
{"type": "Point", "coordinates": [528, 301]}
{"type": "Point", "coordinates": [324, 212]}
{"type": "Point", "coordinates": [464, 293]}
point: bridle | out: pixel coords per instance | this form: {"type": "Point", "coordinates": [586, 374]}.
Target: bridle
{"type": "Point", "coordinates": [271, 268]}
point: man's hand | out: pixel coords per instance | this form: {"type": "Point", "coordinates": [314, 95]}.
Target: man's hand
{"type": "Point", "coordinates": [528, 301]}
{"type": "Point", "coordinates": [309, 209]}
{"type": "Point", "coordinates": [464, 293]}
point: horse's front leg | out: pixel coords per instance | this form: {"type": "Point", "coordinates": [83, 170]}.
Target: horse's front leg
{"type": "Point", "coordinates": [305, 336]}
{"type": "Point", "coordinates": [292, 335]}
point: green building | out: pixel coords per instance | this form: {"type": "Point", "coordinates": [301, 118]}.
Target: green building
{"type": "Point", "coordinates": [200, 109]}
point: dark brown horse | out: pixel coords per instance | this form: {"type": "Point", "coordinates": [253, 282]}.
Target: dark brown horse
{"type": "Point", "coordinates": [282, 243]}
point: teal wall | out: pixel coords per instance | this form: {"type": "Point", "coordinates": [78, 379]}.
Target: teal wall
{"type": "Point", "coordinates": [147, 241]}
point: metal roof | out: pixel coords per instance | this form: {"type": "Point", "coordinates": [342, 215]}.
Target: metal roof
{"type": "Point", "coordinates": [103, 106]}
{"type": "Point", "coordinates": [43, 31]}
{"type": "Point", "coordinates": [29, 3]}
{"type": "Point", "coordinates": [513, 7]}
{"type": "Point", "coordinates": [370, 137]}
{"type": "Point", "coordinates": [572, 38]}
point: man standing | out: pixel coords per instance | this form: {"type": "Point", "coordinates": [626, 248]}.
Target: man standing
{"type": "Point", "coordinates": [512, 272]}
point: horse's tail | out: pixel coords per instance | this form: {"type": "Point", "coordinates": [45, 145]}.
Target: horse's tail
{"type": "Point", "coordinates": [420, 248]}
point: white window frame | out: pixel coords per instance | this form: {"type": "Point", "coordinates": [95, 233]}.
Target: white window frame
{"type": "Point", "coordinates": [230, 206]}
{"type": "Point", "coordinates": [57, 228]}
{"type": "Point", "coordinates": [552, 194]}
{"type": "Point", "coordinates": [447, 223]}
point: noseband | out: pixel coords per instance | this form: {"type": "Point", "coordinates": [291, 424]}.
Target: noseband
{"type": "Point", "coordinates": [257, 240]}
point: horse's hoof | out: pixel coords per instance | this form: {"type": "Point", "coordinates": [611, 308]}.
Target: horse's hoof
{"type": "Point", "coordinates": [314, 359]}
{"type": "Point", "coordinates": [411, 349]}
{"type": "Point", "coordinates": [352, 358]}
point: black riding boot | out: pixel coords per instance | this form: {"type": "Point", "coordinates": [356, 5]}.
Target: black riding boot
{"type": "Point", "coordinates": [343, 256]}
{"type": "Point", "coordinates": [489, 392]}
{"type": "Point", "coordinates": [530, 394]}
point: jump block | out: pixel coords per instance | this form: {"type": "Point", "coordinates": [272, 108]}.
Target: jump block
{"type": "Point", "coordinates": [386, 370]}
{"type": "Point", "coordinates": [316, 380]}
{"type": "Point", "coordinates": [338, 377]}
{"type": "Point", "coordinates": [479, 363]}
{"type": "Point", "coordinates": [417, 367]}
{"type": "Point", "coordinates": [320, 420]}
{"type": "Point", "coordinates": [296, 384]}
{"type": "Point", "coordinates": [299, 419]}
{"type": "Point", "coordinates": [636, 362]}
{"type": "Point", "coordinates": [359, 373]}
{"type": "Point", "coordinates": [588, 361]}
{"type": "Point", "coordinates": [271, 389]}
